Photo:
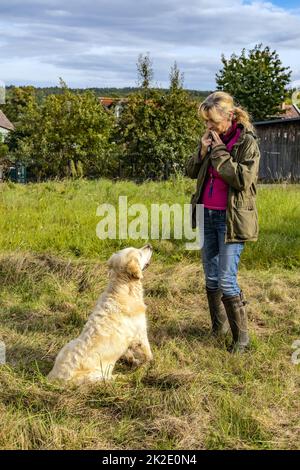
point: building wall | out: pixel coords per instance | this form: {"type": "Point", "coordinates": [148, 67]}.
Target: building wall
{"type": "Point", "coordinates": [3, 131]}
{"type": "Point", "coordinates": [280, 151]}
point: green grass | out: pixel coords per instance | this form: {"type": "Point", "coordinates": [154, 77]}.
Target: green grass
{"type": "Point", "coordinates": [195, 395]}
{"type": "Point", "coordinates": [60, 218]}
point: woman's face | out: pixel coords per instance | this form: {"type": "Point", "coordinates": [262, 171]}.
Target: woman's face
{"type": "Point", "coordinates": [220, 127]}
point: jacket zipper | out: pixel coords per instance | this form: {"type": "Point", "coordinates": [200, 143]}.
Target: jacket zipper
{"type": "Point", "coordinates": [211, 185]}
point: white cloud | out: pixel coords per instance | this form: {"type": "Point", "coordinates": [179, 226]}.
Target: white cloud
{"type": "Point", "coordinates": [96, 43]}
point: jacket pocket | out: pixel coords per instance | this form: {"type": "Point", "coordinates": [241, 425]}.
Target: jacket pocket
{"type": "Point", "coordinates": [245, 222]}
{"type": "Point", "coordinates": [247, 205]}
{"type": "Point", "coordinates": [244, 201]}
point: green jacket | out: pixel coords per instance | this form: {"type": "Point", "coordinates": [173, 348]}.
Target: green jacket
{"type": "Point", "coordinates": [239, 169]}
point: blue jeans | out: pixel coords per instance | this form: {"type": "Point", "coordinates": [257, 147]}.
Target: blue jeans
{"type": "Point", "coordinates": [220, 260]}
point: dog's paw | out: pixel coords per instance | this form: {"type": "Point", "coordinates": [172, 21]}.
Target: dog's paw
{"type": "Point", "coordinates": [151, 360]}
{"type": "Point", "coordinates": [134, 363]}
{"type": "Point", "coordinates": [131, 357]}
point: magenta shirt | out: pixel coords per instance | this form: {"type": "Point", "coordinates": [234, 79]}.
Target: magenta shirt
{"type": "Point", "coordinates": [215, 190]}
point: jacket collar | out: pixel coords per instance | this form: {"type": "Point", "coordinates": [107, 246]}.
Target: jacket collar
{"type": "Point", "coordinates": [243, 134]}
{"type": "Point", "coordinates": [240, 140]}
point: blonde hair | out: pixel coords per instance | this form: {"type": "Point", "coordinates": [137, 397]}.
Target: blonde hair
{"type": "Point", "coordinates": [219, 105]}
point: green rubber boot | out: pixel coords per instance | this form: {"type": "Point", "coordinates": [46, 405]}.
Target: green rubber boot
{"type": "Point", "coordinates": [237, 316]}
{"type": "Point", "coordinates": [219, 320]}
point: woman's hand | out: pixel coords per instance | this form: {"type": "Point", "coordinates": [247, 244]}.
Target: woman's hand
{"type": "Point", "coordinates": [216, 139]}
{"type": "Point", "coordinates": [206, 141]}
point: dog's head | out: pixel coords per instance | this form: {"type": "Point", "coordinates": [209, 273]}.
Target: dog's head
{"type": "Point", "coordinates": [131, 261]}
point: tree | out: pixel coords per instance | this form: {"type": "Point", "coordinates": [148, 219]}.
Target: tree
{"type": "Point", "coordinates": [176, 78]}
{"type": "Point", "coordinates": [3, 147]}
{"type": "Point", "coordinates": [145, 72]}
{"type": "Point", "coordinates": [68, 134]}
{"type": "Point", "coordinates": [257, 82]}
{"type": "Point", "coordinates": [24, 112]}
{"type": "Point", "coordinates": [157, 129]}
{"type": "Point", "coordinates": [181, 124]}
{"type": "Point", "coordinates": [17, 101]}
{"type": "Point", "coordinates": [4, 163]}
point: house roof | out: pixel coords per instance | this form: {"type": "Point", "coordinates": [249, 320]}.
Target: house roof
{"type": "Point", "coordinates": [289, 111]}
{"type": "Point", "coordinates": [277, 121]}
{"type": "Point", "coordinates": [107, 102]}
{"type": "Point", "coordinates": [5, 122]}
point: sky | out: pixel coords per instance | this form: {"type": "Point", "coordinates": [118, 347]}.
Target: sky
{"type": "Point", "coordinates": [96, 43]}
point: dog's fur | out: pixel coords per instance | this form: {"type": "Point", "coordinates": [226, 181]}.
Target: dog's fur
{"type": "Point", "coordinates": [117, 327]}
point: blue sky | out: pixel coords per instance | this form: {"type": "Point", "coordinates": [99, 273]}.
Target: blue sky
{"type": "Point", "coordinates": [287, 3]}
{"type": "Point", "coordinates": [97, 42]}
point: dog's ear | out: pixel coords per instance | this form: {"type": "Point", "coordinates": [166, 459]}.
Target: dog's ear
{"type": "Point", "coordinates": [133, 268]}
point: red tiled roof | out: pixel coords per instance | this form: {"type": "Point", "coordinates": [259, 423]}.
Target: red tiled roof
{"type": "Point", "coordinates": [289, 111]}
{"type": "Point", "coordinates": [106, 101]}
{"type": "Point", "coordinates": [5, 123]}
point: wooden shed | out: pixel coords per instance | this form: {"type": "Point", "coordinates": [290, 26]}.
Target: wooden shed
{"type": "Point", "coordinates": [279, 142]}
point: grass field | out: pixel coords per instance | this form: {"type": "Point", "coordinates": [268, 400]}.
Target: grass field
{"type": "Point", "coordinates": [195, 395]}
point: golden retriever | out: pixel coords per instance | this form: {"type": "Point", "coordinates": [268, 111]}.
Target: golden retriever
{"type": "Point", "coordinates": [117, 327]}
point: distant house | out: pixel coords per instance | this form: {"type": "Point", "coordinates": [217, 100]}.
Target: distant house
{"type": "Point", "coordinates": [289, 111]}
{"type": "Point", "coordinates": [5, 125]}
{"type": "Point", "coordinates": [115, 104]}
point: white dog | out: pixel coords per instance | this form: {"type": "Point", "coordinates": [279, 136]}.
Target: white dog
{"type": "Point", "coordinates": [117, 327]}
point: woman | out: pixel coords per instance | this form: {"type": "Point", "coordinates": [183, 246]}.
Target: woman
{"type": "Point", "coordinates": [226, 167]}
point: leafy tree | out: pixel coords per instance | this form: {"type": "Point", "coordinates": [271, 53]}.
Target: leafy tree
{"type": "Point", "coordinates": [176, 78]}
{"type": "Point", "coordinates": [258, 82]}
{"type": "Point", "coordinates": [180, 123]}
{"type": "Point", "coordinates": [64, 130]}
{"type": "Point", "coordinates": [157, 130]}
{"type": "Point", "coordinates": [145, 72]}
{"type": "Point", "coordinates": [4, 164]}
{"type": "Point", "coordinates": [3, 147]}
{"type": "Point", "coordinates": [25, 118]}
{"type": "Point", "coordinates": [18, 99]}
{"type": "Point", "coordinates": [70, 133]}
